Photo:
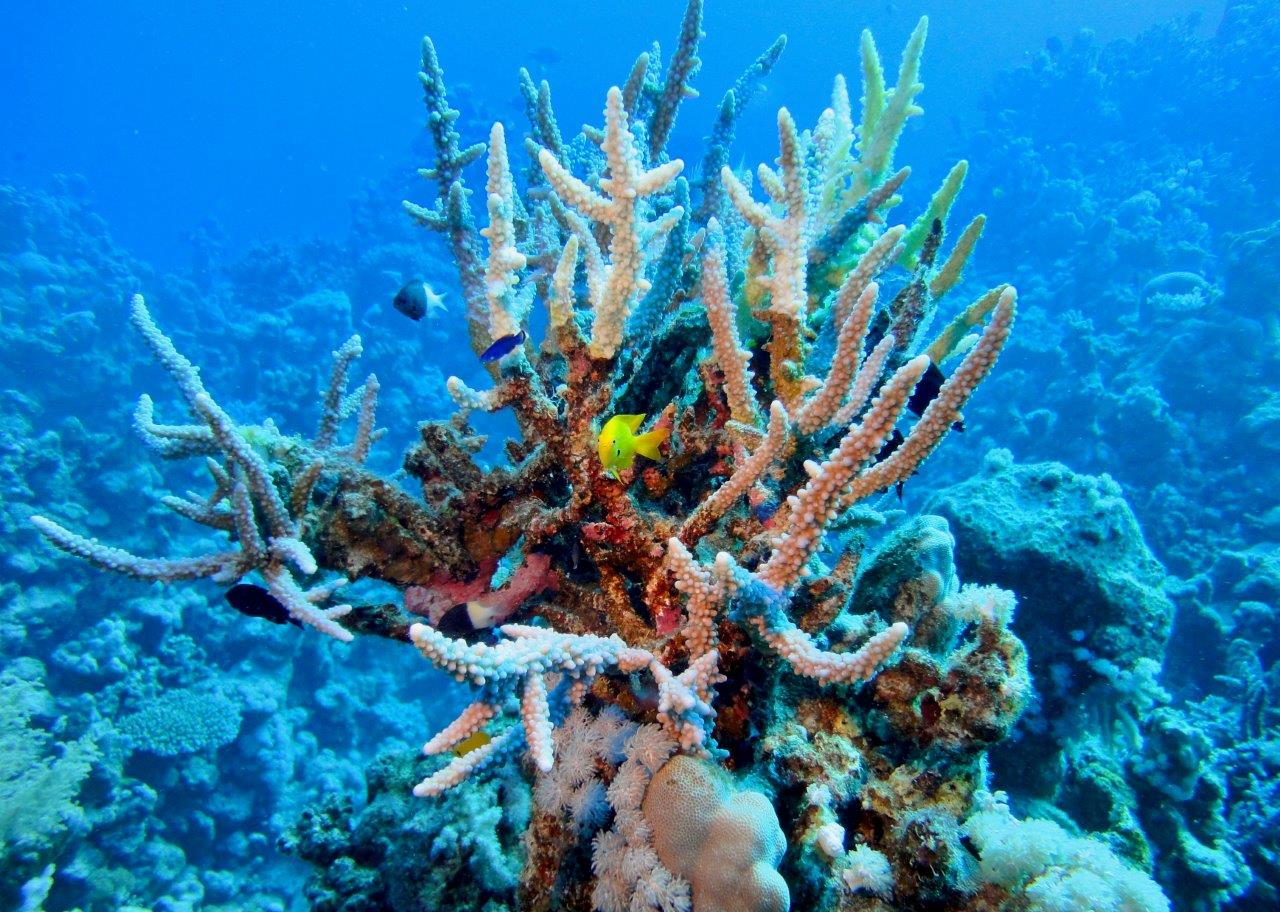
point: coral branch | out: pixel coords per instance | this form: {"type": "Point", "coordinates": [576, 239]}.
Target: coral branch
{"type": "Point", "coordinates": [700, 521]}
{"type": "Point", "coordinates": [683, 67]}
{"type": "Point", "coordinates": [470, 721]}
{"type": "Point", "coordinates": [822, 407]}
{"type": "Point", "coordinates": [816, 504]}
{"type": "Point", "coordinates": [944, 410]}
{"type": "Point", "coordinates": [505, 261]}
{"type": "Point", "coordinates": [721, 314]}
{"type": "Point", "coordinates": [625, 186]}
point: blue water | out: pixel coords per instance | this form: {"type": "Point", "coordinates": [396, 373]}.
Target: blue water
{"type": "Point", "coordinates": [243, 166]}
{"type": "Point", "coordinates": [267, 121]}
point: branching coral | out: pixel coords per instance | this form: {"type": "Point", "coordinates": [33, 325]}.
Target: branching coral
{"type": "Point", "coordinates": [246, 500]}
{"type": "Point", "coordinates": [690, 594]}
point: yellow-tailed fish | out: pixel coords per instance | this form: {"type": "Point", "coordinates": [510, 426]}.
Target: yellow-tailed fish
{"type": "Point", "coordinates": [619, 443]}
{"type": "Point", "coordinates": [470, 743]}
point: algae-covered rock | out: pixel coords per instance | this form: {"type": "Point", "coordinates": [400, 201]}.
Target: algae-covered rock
{"type": "Point", "coordinates": [1090, 592]}
{"type": "Point", "coordinates": [459, 851]}
{"type": "Point", "coordinates": [1092, 611]}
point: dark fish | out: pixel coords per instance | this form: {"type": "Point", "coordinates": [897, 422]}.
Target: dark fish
{"type": "Point", "coordinates": [926, 391]}
{"type": "Point", "coordinates": [258, 602]}
{"type": "Point", "coordinates": [544, 56]}
{"type": "Point", "coordinates": [466, 621]}
{"type": "Point", "coordinates": [455, 622]}
{"type": "Point", "coordinates": [503, 347]}
{"type": "Point", "coordinates": [895, 440]}
{"type": "Point", "coordinates": [415, 298]}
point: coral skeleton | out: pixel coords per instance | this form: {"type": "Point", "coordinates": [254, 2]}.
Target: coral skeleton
{"type": "Point", "coordinates": [679, 602]}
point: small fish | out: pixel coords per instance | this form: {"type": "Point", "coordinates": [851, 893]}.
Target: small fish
{"type": "Point", "coordinates": [258, 602]}
{"type": "Point", "coordinates": [896, 439]}
{"type": "Point", "coordinates": [471, 742]}
{"type": "Point", "coordinates": [545, 55]}
{"type": "Point", "coordinates": [927, 390]}
{"type": "Point", "coordinates": [467, 618]}
{"type": "Point", "coordinates": [416, 298]}
{"type": "Point", "coordinates": [503, 347]}
{"type": "Point", "coordinates": [619, 443]}
{"type": "Point", "coordinates": [764, 511]}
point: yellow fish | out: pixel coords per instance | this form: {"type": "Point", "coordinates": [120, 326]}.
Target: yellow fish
{"type": "Point", "coordinates": [470, 743]}
{"type": "Point", "coordinates": [619, 443]}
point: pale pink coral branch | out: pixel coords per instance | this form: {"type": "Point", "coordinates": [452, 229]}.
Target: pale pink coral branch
{"type": "Point", "coordinates": [945, 408]}
{"type": "Point", "coordinates": [819, 410]}
{"type": "Point", "coordinates": [470, 721]}
{"type": "Point", "coordinates": [816, 504]}
{"type": "Point", "coordinates": [721, 316]}
{"type": "Point", "coordinates": [746, 474]}
{"type": "Point", "coordinates": [799, 651]}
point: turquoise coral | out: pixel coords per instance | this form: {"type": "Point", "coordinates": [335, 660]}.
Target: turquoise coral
{"type": "Point", "coordinates": [40, 782]}
{"type": "Point", "coordinates": [182, 722]}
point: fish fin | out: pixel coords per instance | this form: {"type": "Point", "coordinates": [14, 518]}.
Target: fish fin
{"type": "Point", "coordinates": [647, 444]}
{"type": "Point", "coordinates": [632, 422]}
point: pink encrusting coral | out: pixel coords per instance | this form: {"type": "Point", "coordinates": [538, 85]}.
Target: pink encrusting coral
{"type": "Point", "coordinates": [694, 606]}
{"type": "Point", "coordinates": [534, 575]}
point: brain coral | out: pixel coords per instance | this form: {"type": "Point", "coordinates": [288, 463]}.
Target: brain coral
{"type": "Point", "coordinates": [725, 842]}
{"type": "Point", "coordinates": [183, 722]}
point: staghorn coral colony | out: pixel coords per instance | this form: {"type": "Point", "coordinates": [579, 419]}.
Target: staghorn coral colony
{"type": "Point", "coordinates": [692, 688]}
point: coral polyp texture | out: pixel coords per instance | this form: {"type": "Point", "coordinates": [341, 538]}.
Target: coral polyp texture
{"type": "Point", "coordinates": [667, 646]}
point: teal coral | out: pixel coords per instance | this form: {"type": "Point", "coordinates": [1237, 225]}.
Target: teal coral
{"type": "Point", "coordinates": [182, 722]}
{"type": "Point", "coordinates": [1090, 591]}
{"type": "Point", "coordinates": [39, 786]}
